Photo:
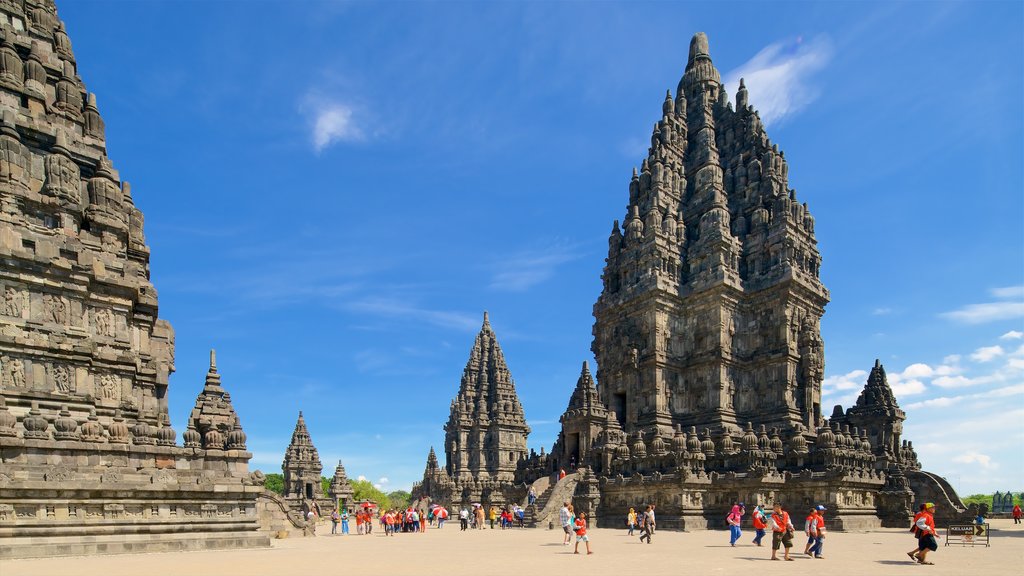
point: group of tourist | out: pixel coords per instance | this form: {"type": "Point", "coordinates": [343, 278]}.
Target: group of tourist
{"type": "Point", "coordinates": [645, 521]}
{"type": "Point", "coordinates": [506, 517]}
{"type": "Point", "coordinates": [573, 523]}
{"type": "Point", "coordinates": [364, 520]}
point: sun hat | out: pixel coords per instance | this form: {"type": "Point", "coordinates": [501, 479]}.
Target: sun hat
{"type": "Point", "coordinates": [821, 508]}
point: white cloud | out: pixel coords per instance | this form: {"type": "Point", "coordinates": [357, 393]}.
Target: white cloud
{"type": "Point", "coordinates": [388, 307]}
{"type": "Point", "coordinates": [1012, 335]}
{"type": "Point", "coordinates": [778, 78]}
{"type": "Point", "coordinates": [1009, 292]}
{"type": "Point", "coordinates": [881, 311]}
{"type": "Point", "coordinates": [529, 268]}
{"type": "Point", "coordinates": [849, 381]}
{"type": "Point", "coordinates": [383, 480]}
{"type": "Point", "coordinates": [1011, 307]}
{"type": "Point", "coordinates": [361, 478]}
{"type": "Point", "coordinates": [908, 388]}
{"type": "Point", "coordinates": [952, 382]}
{"type": "Point", "coordinates": [982, 460]}
{"type": "Point", "coordinates": [331, 120]}
{"type": "Point", "coordinates": [987, 353]}
{"type": "Point", "coordinates": [918, 371]}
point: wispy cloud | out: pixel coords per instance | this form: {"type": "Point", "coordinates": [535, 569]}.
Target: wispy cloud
{"type": "Point", "coordinates": [881, 311]}
{"type": "Point", "coordinates": [987, 353]}
{"type": "Point", "coordinates": [1011, 306]}
{"type": "Point", "coordinates": [396, 308]}
{"type": "Point", "coordinates": [1009, 292]}
{"type": "Point", "coordinates": [1012, 335]}
{"type": "Point", "coordinates": [331, 120]}
{"type": "Point", "coordinates": [779, 78]}
{"type": "Point", "coordinates": [983, 460]}
{"type": "Point", "coordinates": [528, 268]}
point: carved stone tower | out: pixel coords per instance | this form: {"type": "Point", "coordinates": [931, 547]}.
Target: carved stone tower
{"type": "Point", "coordinates": [302, 469]}
{"type": "Point", "coordinates": [90, 461]}
{"type": "Point", "coordinates": [486, 432]}
{"type": "Point", "coordinates": [711, 304]}
{"type": "Point", "coordinates": [878, 413]}
{"type": "Point", "coordinates": [582, 422]}
{"type": "Point", "coordinates": [341, 491]}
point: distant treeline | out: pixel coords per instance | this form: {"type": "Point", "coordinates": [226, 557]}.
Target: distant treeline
{"type": "Point", "coordinates": [364, 490]}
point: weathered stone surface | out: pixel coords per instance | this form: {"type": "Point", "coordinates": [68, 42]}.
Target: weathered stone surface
{"type": "Point", "coordinates": [709, 351]}
{"type": "Point", "coordinates": [709, 320]}
{"type": "Point", "coordinates": [485, 437]}
{"type": "Point", "coordinates": [88, 458]}
{"type": "Point", "coordinates": [302, 468]}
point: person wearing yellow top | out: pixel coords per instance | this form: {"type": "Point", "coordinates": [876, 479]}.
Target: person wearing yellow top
{"type": "Point", "coordinates": [631, 520]}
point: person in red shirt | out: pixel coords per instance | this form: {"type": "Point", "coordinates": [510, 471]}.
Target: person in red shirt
{"type": "Point", "coordinates": [758, 519]}
{"type": "Point", "coordinates": [819, 531]}
{"type": "Point", "coordinates": [926, 540]}
{"type": "Point", "coordinates": [1016, 514]}
{"type": "Point", "coordinates": [581, 533]}
{"type": "Point", "coordinates": [782, 531]}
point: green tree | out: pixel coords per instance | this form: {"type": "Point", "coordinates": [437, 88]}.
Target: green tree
{"type": "Point", "coordinates": [325, 484]}
{"type": "Point", "coordinates": [365, 490]}
{"type": "Point", "coordinates": [399, 498]}
{"type": "Point", "coordinates": [274, 483]}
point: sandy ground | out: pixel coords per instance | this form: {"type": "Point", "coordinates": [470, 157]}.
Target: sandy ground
{"type": "Point", "coordinates": [539, 551]}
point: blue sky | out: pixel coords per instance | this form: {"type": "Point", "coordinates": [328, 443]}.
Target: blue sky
{"type": "Point", "coordinates": [334, 193]}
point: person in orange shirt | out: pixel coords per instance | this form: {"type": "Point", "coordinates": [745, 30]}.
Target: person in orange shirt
{"type": "Point", "coordinates": [782, 531]}
{"type": "Point", "coordinates": [581, 533]}
{"type": "Point", "coordinates": [913, 528]}
{"type": "Point", "coordinates": [819, 531]}
{"type": "Point", "coordinates": [758, 519]}
{"type": "Point", "coordinates": [926, 540]}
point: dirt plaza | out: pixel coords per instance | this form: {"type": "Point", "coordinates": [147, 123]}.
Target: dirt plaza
{"type": "Point", "coordinates": [539, 551]}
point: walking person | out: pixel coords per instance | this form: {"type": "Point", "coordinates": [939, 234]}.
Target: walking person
{"type": "Point", "coordinates": [1016, 513]}
{"type": "Point", "coordinates": [811, 530]}
{"type": "Point", "coordinates": [819, 532]}
{"type": "Point", "coordinates": [565, 519]}
{"type": "Point", "coordinates": [631, 521]}
{"type": "Point", "coordinates": [734, 519]}
{"type": "Point", "coordinates": [782, 531]}
{"type": "Point", "coordinates": [759, 521]}
{"type": "Point", "coordinates": [335, 520]}
{"type": "Point", "coordinates": [580, 526]}
{"type": "Point", "coordinates": [344, 521]}
{"type": "Point", "coordinates": [531, 497]}
{"type": "Point", "coordinates": [478, 516]}
{"type": "Point", "coordinates": [463, 519]}
{"type": "Point", "coordinates": [926, 540]}
{"type": "Point", "coordinates": [647, 524]}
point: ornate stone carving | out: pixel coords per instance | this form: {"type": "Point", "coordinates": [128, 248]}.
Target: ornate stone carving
{"type": "Point", "coordinates": [14, 302]}
{"type": "Point", "coordinates": [55, 309]}
{"type": "Point", "coordinates": [13, 372]}
{"type": "Point", "coordinates": [61, 378]}
{"type": "Point", "coordinates": [110, 387]}
{"type": "Point", "coordinates": [59, 474]}
{"type": "Point", "coordinates": [103, 320]}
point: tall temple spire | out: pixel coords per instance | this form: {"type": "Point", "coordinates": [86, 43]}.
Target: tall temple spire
{"type": "Point", "coordinates": [710, 213]}
{"type": "Point", "coordinates": [302, 467]}
{"type": "Point", "coordinates": [486, 430]}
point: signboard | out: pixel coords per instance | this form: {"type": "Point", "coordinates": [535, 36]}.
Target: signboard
{"type": "Point", "coordinates": [967, 535]}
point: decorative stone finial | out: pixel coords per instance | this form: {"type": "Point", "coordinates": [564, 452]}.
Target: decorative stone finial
{"type": "Point", "coordinates": [698, 47]}
{"type": "Point", "coordinates": [213, 360]}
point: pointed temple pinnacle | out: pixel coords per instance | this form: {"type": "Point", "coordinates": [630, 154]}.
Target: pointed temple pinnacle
{"type": "Point", "coordinates": [698, 48]}
{"type": "Point", "coordinates": [213, 360]}
{"type": "Point", "coordinates": [586, 367]}
{"type": "Point", "coordinates": [878, 363]}
{"type": "Point", "coordinates": [487, 319]}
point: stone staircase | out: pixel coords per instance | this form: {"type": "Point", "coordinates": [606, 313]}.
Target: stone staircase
{"type": "Point", "coordinates": [549, 500]}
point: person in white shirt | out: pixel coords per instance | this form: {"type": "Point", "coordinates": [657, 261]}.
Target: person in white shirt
{"type": "Point", "coordinates": [565, 517]}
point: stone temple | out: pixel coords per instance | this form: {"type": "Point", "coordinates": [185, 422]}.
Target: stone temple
{"type": "Point", "coordinates": [709, 351]}
{"type": "Point", "coordinates": [89, 461]}
{"type": "Point", "coordinates": [485, 437]}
